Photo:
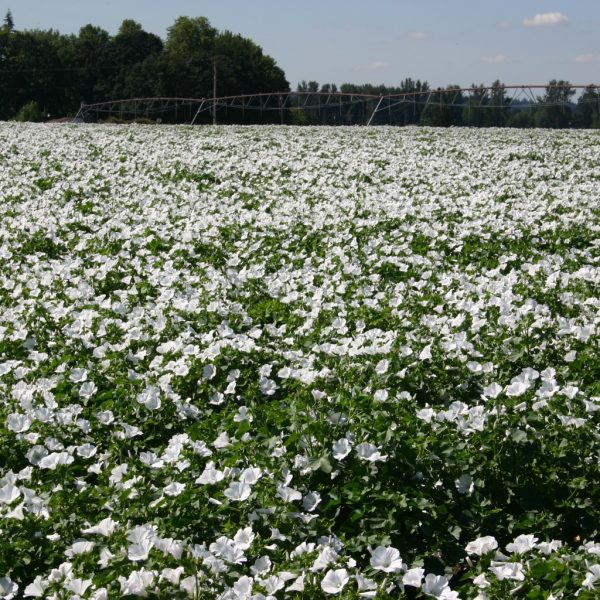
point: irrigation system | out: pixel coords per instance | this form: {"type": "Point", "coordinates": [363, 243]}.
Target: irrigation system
{"type": "Point", "coordinates": [366, 109]}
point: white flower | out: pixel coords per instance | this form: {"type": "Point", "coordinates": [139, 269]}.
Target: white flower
{"type": "Point", "coordinates": [261, 566]}
{"type": "Point", "coordinates": [369, 452]}
{"type": "Point", "coordinates": [88, 389]}
{"type": "Point", "coordinates": [106, 527]}
{"type": "Point", "coordinates": [190, 585]}
{"type": "Point", "coordinates": [100, 594]}
{"type": "Point", "coordinates": [53, 460]}
{"type": "Point", "coordinates": [517, 388]}
{"type": "Point", "coordinates": [250, 475]}
{"type": "Point", "coordinates": [425, 353]}
{"type": "Point", "coordinates": [482, 545]}
{"type": "Point", "coordinates": [311, 501]}
{"type": "Point", "coordinates": [426, 414]}
{"type": "Point", "coordinates": [137, 583]}
{"type": "Point", "coordinates": [381, 395]}
{"type": "Point", "coordinates": [288, 494]}
{"type": "Point", "coordinates": [208, 372]}
{"type": "Point", "coordinates": [150, 398]}
{"type": "Point", "coordinates": [267, 386]}
{"type": "Point", "coordinates": [78, 586]}
{"type": "Point", "coordinates": [243, 587]}
{"type": "Point", "coordinates": [435, 585]}
{"type": "Point", "coordinates": [171, 575]}
{"type": "Point", "coordinates": [341, 448]}
{"type": "Point", "coordinates": [512, 570]}
{"type": "Point", "coordinates": [237, 491]}
{"type": "Point", "coordinates": [244, 538]}
{"type": "Point", "coordinates": [9, 493]}
{"type": "Point", "coordinates": [18, 423]}
{"type": "Point", "coordinates": [8, 588]}
{"type": "Point", "coordinates": [298, 585]}
{"type": "Point", "coordinates": [243, 414]}
{"type": "Point", "coordinates": [334, 581]}
{"type": "Point", "coordinates": [522, 543]}
{"type": "Point", "coordinates": [549, 547]}
{"type": "Point", "coordinates": [216, 399]}
{"type": "Point", "coordinates": [492, 391]}
{"type": "Point", "coordinates": [464, 484]}
{"type": "Point", "coordinates": [37, 588]}
{"type": "Point", "coordinates": [382, 366]}
{"type": "Point", "coordinates": [78, 375]}
{"type": "Point", "coordinates": [387, 559]}
{"type": "Point", "coordinates": [367, 588]}
{"type": "Point", "coordinates": [87, 450]}
{"type": "Point", "coordinates": [174, 489]}
{"type": "Point", "coordinates": [273, 584]}
{"type": "Point", "coordinates": [140, 550]}
{"type": "Point", "coordinates": [210, 475]}
{"type": "Point", "coordinates": [413, 577]}
{"type": "Point", "coordinates": [591, 577]}
{"type": "Point", "coordinates": [222, 441]}
{"type": "Point", "coordinates": [481, 582]}
{"type": "Point", "coordinates": [80, 547]}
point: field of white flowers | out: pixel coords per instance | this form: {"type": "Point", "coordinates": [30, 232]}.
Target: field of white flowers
{"type": "Point", "coordinates": [279, 363]}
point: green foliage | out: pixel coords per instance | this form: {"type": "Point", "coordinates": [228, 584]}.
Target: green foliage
{"type": "Point", "coordinates": [60, 71]}
{"type": "Point", "coordinates": [30, 112]}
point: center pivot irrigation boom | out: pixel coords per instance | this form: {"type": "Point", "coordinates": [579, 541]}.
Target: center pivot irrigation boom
{"type": "Point", "coordinates": [190, 110]}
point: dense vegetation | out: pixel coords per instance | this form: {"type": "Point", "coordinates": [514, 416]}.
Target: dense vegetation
{"type": "Point", "coordinates": [482, 107]}
{"type": "Point", "coordinates": [259, 363]}
{"type": "Point", "coordinates": [46, 74]}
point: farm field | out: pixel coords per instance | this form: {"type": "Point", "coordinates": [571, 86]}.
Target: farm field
{"type": "Point", "coordinates": [270, 362]}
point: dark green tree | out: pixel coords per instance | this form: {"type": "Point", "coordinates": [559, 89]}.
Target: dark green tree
{"type": "Point", "coordinates": [129, 50]}
{"type": "Point", "coordinates": [555, 110]}
{"type": "Point", "coordinates": [9, 23]}
{"type": "Point", "coordinates": [587, 112]}
{"type": "Point", "coordinates": [499, 110]}
{"type": "Point", "coordinates": [190, 54]}
{"type": "Point", "coordinates": [476, 110]}
{"type": "Point", "coordinates": [243, 68]}
{"type": "Point", "coordinates": [93, 65]}
{"type": "Point", "coordinates": [443, 108]}
{"type": "Point", "coordinates": [33, 70]}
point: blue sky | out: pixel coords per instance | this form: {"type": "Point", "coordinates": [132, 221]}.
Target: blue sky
{"type": "Point", "coordinates": [375, 41]}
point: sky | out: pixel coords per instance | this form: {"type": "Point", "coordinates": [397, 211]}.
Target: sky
{"type": "Point", "coordinates": [373, 41]}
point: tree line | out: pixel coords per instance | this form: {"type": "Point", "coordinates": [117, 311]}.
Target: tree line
{"type": "Point", "coordinates": [50, 74]}
{"type": "Point", "coordinates": [45, 74]}
{"type": "Point", "coordinates": [483, 106]}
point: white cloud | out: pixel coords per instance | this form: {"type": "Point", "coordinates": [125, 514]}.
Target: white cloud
{"type": "Point", "coordinates": [377, 65]}
{"type": "Point", "coordinates": [587, 58]}
{"type": "Point", "coordinates": [417, 35]}
{"type": "Point", "coordinates": [545, 19]}
{"type": "Point", "coordinates": [498, 59]}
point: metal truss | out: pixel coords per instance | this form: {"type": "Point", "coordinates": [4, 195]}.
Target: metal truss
{"type": "Point", "coordinates": [189, 109]}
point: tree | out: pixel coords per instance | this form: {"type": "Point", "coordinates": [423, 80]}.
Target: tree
{"type": "Point", "coordinates": [476, 111]}
{"type": "Point", "coordinates": [9, 24]}
{"type": "Point", "coordinates": [443, 107]}
{"type": "Point", "coordinates": [554, 110]}
{"type": "Point", "coordinates": [95, 70]}
{"type": "Point", "coordinates": [244, 68]}
{"type": "Point", "coordinates": [33, 71]}
{"type": "Point", "coordinates": [129, 51]}
{"type": "Point", "coordinates": [329, 88]}
{"type": "Point", "coordinates": [190, 37]}
{"type": "Point", "coordinates": [587, 112]}
{"type": "Point", "coordinates": [521, 118]}
{"type": "Point", "coordinates": [499, 105]}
